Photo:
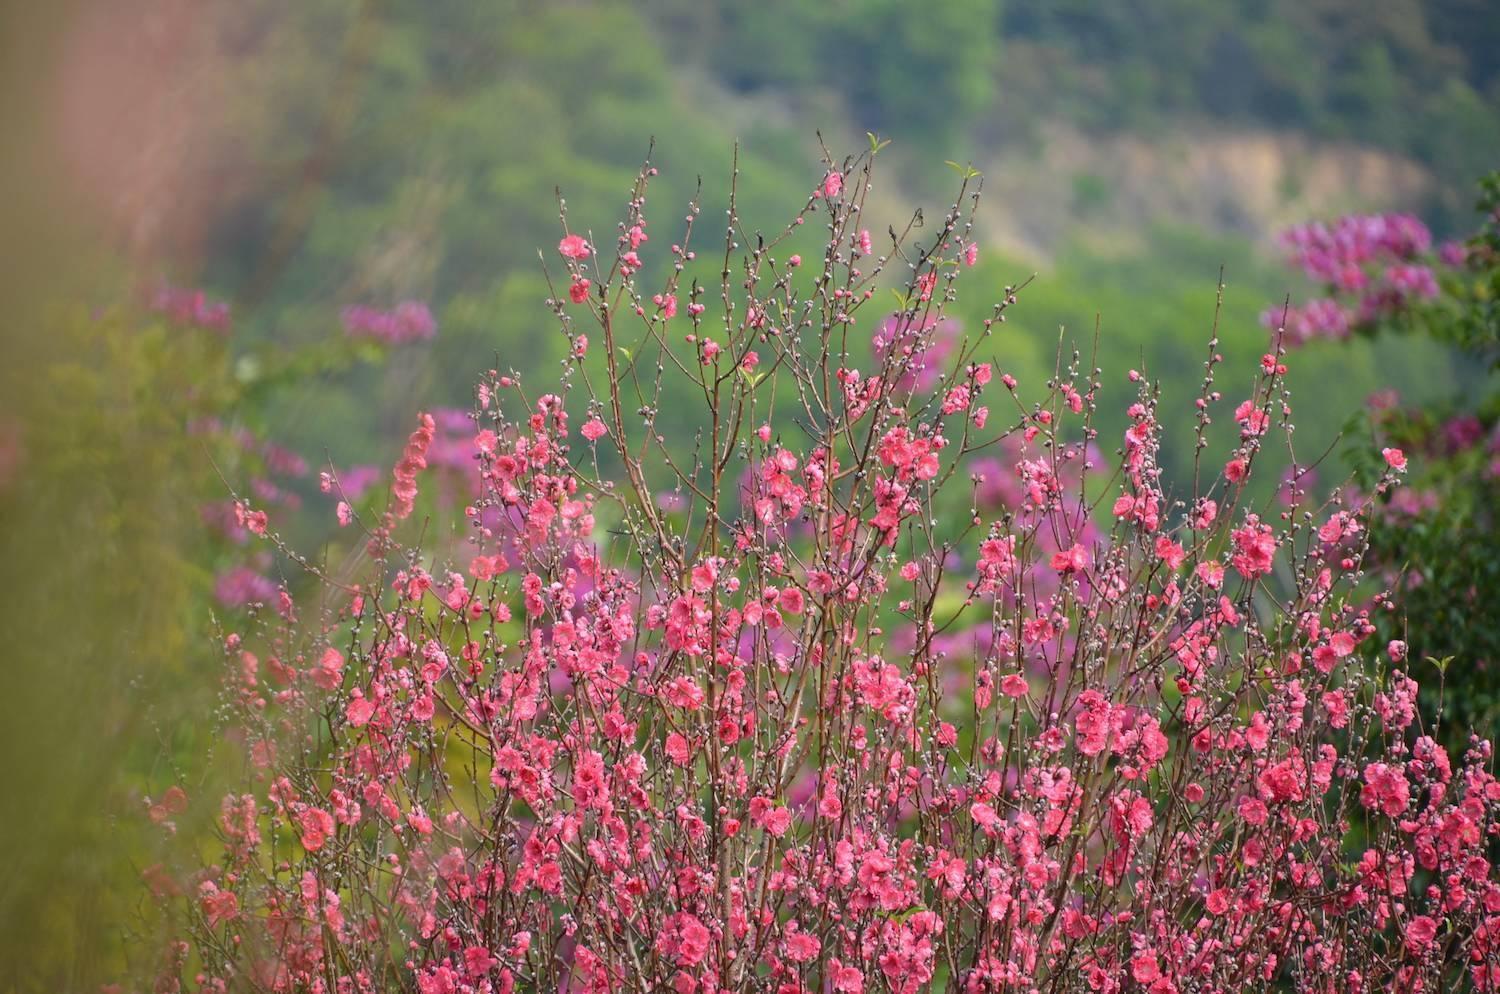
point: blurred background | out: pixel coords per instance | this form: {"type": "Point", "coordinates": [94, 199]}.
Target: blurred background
{"type": "Point", "coordinates": [245, 238]}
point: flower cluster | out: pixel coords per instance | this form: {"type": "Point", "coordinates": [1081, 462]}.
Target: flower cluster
{"type": "Point", "coordinates": [243, 585]}
{"type": "Point", "coordinates": [828, 724]}
{"type": "Point", "coordinates": [408, 321]}
{"type": "Point", "coordinates": [1373, 266]}
{"type": "Point", "coordinates": [413, 461]}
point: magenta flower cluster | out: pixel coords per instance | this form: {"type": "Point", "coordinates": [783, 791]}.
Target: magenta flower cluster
{"type": "Point", "coordinates": [1372, 266]}
{"type": "Point", "coordinates": [408, 321]}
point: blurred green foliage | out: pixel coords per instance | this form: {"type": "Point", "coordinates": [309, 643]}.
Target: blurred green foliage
{"type": "Point", "coordinates": [105, 603]}
{"type": "Point", "coordinates": [1419, 77]}
{"type": "Point", "coordinates": [439, 132]}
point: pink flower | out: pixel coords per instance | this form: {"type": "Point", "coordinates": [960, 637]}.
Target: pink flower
{"type": "Point", "coordinates": [174, 802]}
{"type": "Point", "coordinates": [360, 710]}
{"type": "Point", "coordinates": [1337, 706]}
{"type": "Point", "coordinates": [1071, 560]}
{"type": "Point", "coordinates": [328, 674]}
{"type": "Point", "coordinates": [1252, 420]}
{"type": "Point", "coordinates": [1395, 458]}
{"type": "Point", "coordinates": [1385, 789]}
{"type": "Point", "coordinates": [693, 940]}
{"type": "Point", "coordinates": [1420, 933]}
{"type": "Point", "coordinates": [833, 185]}
{"type": "Point", "coordinates": [317, 828]}
{"type": "Point", "coordinates": [678, 750]}
{"type": "Point", "coordinates": [1170, 552]}
{"type": "Point", "coordinates": [1093, 723]}
{"type": "Point", "coordinates": [218, 905]}
{"type": "Point", "coordinates": [846, 979]}
{"type": "Point", "coordinates": [773, 818]}
{"type": "Point", "coordinates": [802, 947]}
{"type": "Point", "coordinates": [1144, 967]}
{"type": "Point", "coordinates": [829, 805]}
{"type": "Point", "coordinates": [574, 247]}
{"type": "Point", "coordinates": [413, 460]}
{"type": "Point", "coordinates": [478, 961]}
{"type": "Point", "coordinates": [1254, 548]}
{"type": "Point", "coordinates": [593, 429]}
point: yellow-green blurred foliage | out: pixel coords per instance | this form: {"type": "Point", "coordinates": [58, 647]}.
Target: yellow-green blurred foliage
{"type": "Point", "coordinates": [99, 481]}
{"type": "Point", "coordinates": [100, 603]}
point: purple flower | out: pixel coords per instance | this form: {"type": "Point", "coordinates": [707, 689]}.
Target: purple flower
{"type": "Point", "coordinates": [242, 585]}
{"type": "Point", "coordinates": [1462, 432]}
{"type": "Point", "coordinates": [355, 481]}
{"type": "Point", "coordinates": [1412, 281]}
{"type": "Point", "coordinates": [1327, 252]}
{"type": "Point", "coordinates": [917, 347]}
{"type": "Point", "coordinates": [1321, 318]}
{"type": "Point", "coordinates": [409, 321]}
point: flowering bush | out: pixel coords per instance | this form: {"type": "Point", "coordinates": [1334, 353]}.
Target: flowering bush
{"type": "Point", "coordinates": [1373, 267]}
{"type": "Point", "coordinates": [1434, 542]}
{"type": "Point", "coordinates": [816, 723]}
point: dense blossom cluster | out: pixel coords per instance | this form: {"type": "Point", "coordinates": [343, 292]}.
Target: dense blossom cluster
{"type": "Point", "coordinates": [1372, 265]}
{"type": "Point", "coordinates": [408, 321]}
{"type": "Point", "coordinates": [830, 720]}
